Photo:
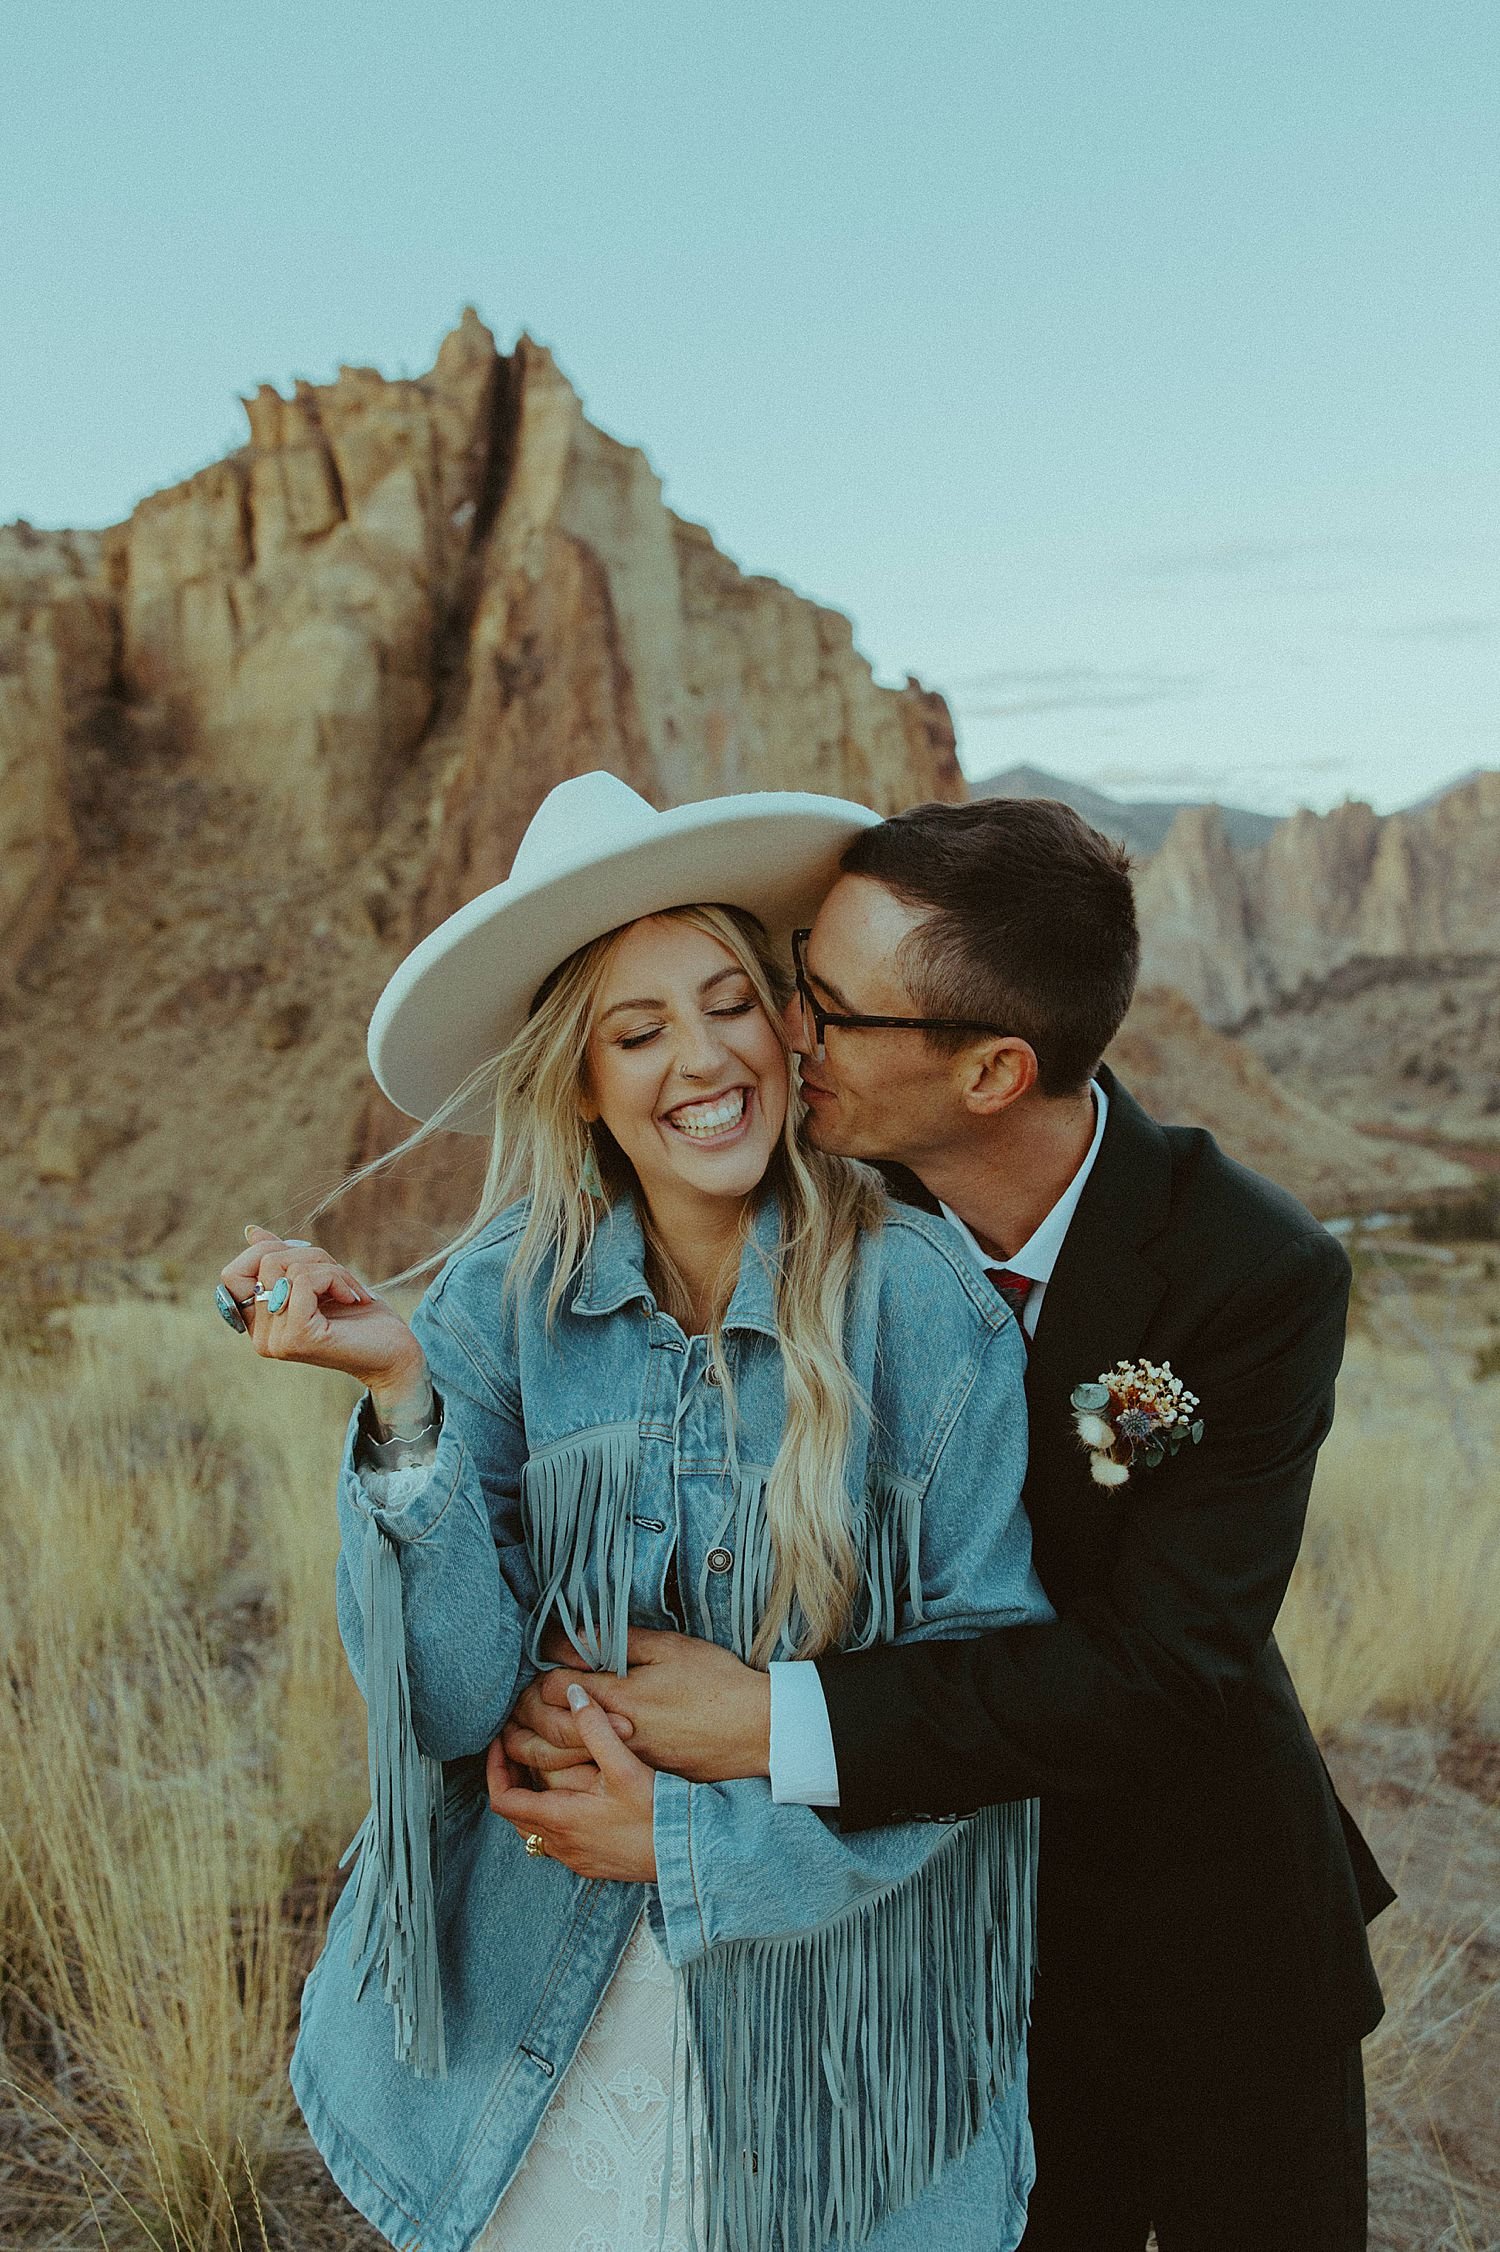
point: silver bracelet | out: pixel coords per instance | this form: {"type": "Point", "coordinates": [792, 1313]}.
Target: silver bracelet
{"type": "Point", "coordinates": [398, 1447]}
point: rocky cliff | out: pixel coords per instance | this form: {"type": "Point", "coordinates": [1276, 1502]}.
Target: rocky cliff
{"type": "Point", "coordinates": [1324, 899]}
{"type": "Point", "coordinates": [1358, 955]}
{"type": "Point", "coordinates": [58, 628]}
{"type": "Point", "coordinates": [258, 738]}
{"type": "Point", "coordinates": [1187, 1073]}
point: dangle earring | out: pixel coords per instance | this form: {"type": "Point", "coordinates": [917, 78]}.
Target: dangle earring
{"type": "Point", "coordinates": [591, 1180]}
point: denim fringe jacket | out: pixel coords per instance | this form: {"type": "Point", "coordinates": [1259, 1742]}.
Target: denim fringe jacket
{"type": "Point", "coordinates": [852, 2010]}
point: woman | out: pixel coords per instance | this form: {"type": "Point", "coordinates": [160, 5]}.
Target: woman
{"type": "Point", "coordinates": [678, 1371]}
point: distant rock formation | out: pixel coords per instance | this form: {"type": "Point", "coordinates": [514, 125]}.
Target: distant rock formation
{"type": "Point", "coordinates": [1186, 1073]}
{"type": "Point", "coordinates": [1140, 824]}
{"type": "Point", "coordinates": [1328, 897]}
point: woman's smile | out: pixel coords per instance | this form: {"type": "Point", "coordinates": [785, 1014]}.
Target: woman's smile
{"type": "Point", "coordinates": [713, 1121]}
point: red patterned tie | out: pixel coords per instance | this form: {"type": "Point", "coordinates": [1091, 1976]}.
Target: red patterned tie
{"type": "Point", "coordinates": [1014, 1289]}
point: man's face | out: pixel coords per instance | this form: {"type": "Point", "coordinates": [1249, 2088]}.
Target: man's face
{"type": "Point", "coordinates": [874, 1094]}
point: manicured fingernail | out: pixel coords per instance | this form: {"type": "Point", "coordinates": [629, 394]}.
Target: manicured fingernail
{"type": "Point", "coordinates": [578, 1696]}
{"type": "Point", "coordinates": [249, 1231]}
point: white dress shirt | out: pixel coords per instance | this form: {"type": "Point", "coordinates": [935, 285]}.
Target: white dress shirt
{"type": "Point", "coordinates": [804, 1770]}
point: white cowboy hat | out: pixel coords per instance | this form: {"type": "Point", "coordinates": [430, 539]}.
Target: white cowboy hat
{"type": "Point", "coordinates": [595, 856]}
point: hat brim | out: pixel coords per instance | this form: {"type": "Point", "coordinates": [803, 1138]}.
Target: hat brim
{"type": "Point", "coordinates": [465, 990]}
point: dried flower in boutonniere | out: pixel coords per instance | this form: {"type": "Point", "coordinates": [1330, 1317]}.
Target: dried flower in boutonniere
{"type": "Point", "coordinates": [1137, 1412]}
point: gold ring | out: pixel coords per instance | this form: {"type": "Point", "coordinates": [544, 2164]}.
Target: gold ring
{"type": "Point", "coordinates": [535, 1842]}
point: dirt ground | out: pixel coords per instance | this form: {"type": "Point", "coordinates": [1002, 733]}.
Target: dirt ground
{"type": "Point", "coordinates": [1429, 1802]}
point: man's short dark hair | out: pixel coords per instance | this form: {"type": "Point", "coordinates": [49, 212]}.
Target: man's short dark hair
{"type": "Point", "coordinates": [1028, 924]}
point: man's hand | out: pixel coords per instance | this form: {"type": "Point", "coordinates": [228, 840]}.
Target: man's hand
{"type": "Point", "coordinates": [685, 1706]}
{"type": "Point", "coordinates": [601, 1829]}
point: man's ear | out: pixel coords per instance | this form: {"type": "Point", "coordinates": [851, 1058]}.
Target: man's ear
{"type": "Point", "coordinates": [995, 1074]}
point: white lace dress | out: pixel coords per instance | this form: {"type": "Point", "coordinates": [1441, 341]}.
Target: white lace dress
{"type": "Point", "coordinates": [592, 2179]}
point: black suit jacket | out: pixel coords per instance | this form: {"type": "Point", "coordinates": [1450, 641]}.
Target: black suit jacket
{"type": "Point", "coordinates": [1195, 1861]}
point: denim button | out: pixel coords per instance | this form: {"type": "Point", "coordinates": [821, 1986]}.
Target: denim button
{"type": "Point", "coordinates": [711, 1374]}
{"type": "Point", "coordinates": [720, 1559]}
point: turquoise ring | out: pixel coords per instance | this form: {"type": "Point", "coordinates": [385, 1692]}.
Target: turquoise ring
{"type": "Point", "coordinates": [274, 1299]}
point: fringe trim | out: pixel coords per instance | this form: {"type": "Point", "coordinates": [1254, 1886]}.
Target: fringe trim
{"type": "Point", "coordinates": [577, 1498]}
{"type": "Point", "coordinates": [400, 1841]}
{"type": "Point", "coordinates": [852, 2063]}
{"type": "Point", "coordinates": [889, 1533]}
{"type": "Point", "coordinates": [892, 1543]}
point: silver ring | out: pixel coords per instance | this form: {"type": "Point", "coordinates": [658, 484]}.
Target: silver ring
{"type": "Point", "coordinates": [233, 1309]}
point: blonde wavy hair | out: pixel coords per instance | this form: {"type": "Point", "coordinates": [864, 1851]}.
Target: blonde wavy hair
{"type": "Point", "coordinates": [540, 1149]}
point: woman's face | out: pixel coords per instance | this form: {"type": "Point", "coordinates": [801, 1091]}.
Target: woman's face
{"type": "Point", "coordinates": [684, 1066]}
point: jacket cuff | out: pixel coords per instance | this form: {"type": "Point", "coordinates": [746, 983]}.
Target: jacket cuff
{"type": "Point", "coordinates": [371, 1452]}
{"type": "Point", "coordinates": [406, 1508]}
{"type": "Point", "coordinates": [681, 1908]}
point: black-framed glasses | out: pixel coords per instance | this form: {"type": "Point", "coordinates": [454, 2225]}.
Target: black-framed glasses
{"type": "Point", "coordinates": [816, 1019]}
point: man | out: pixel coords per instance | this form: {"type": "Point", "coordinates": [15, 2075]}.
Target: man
{"type": "Point", "coordinates": [1204, 1980]}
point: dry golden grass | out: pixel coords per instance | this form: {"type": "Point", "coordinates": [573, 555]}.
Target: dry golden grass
{"type": "Point", "coordinates": [180, 1743]}
{"type": "Point", "coordinates": [1394, 1608]}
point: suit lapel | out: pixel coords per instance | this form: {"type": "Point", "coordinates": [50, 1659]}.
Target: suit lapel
{"type": "Point", "coordinates": [1104, 1288]}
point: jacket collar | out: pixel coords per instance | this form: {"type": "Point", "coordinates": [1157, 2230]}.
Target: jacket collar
{"type": "Point", "coordinates": [613, 1273]}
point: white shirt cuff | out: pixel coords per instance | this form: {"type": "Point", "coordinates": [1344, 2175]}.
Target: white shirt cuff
{"type": "Point", "coordinates": [804, 1768]}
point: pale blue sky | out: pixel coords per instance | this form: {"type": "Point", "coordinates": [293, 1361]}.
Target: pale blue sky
{"type": "Point", "coordinates": [1127, 371]}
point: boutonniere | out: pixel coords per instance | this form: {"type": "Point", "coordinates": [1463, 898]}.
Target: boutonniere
{"type": "Point", "coordinates": [1138, 1411]}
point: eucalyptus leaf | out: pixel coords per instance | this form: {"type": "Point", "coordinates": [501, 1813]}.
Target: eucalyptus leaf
{"type": "Point", "coordinates": [1197, 1432]}
{"type": "Point", "coordinates": [1152, 1457]}
{"type": "Point", "coordinates": [1090, 1398]}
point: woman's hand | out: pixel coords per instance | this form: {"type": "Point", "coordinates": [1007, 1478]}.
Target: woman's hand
{"type": "Point", "coordinates": [599, 1823]}
{"type": "Point", "coordinates": [330, 1320]}
{"type": "Point", "coordinates": [686, 1706]}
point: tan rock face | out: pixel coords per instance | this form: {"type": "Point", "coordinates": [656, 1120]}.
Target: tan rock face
{"type": "Point", "coordinates": [608, 632]}
{"type": "Point", "coordinates": [71, 1140]}
{"type": "Point", "coordinates": [1194, 910]}
{"type": "Point", "coordinates": [285, 609]}
{"type": "Point", "coordinates": [1244, 932]}
{"type": "Point", "coordinates": [57, 656]}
